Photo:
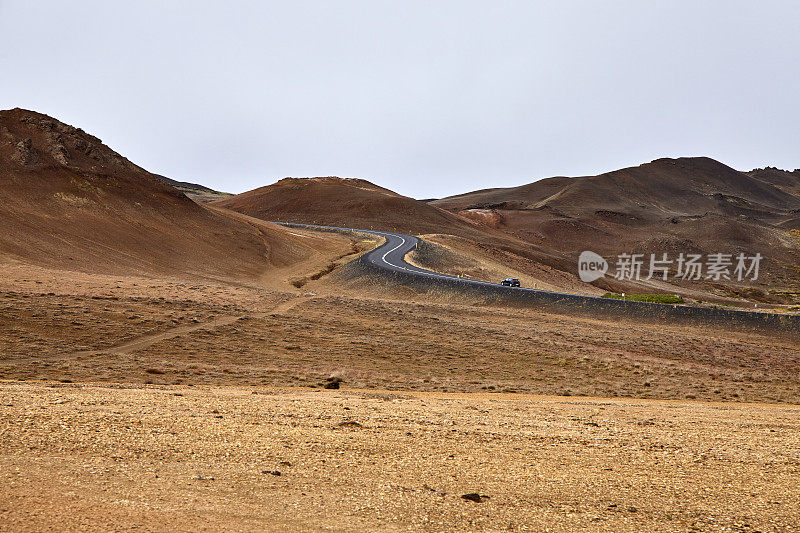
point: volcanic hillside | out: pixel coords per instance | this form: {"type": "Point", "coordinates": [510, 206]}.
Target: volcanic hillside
{"type": "Point", "coordinates": [786, 181]}
{"type": "Point", "coordinates": [651, 192]}
{"type": "Point", "coordinates": [347, 202]}
{"type": "Point", "coordinates": [68, 201]}
{"type": "Point", "coordinates": [693, 205]}
{"type": "Point", "coordinates": [471, 247]}
{"type": "Point", "coordinates": [198, 193]}
{"type": "Point", "coordinates": [356, 203]}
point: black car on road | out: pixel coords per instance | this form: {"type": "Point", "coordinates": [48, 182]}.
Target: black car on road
{"type": "Point", "coordinates": [510, 282]}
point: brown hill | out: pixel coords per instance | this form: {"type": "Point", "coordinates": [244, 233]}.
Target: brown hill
{"type": "Point", "coordinates": [690, 205]}
{"type": "Point", "coordinates": [653, 191]}
{"type": "Point", "coordinates": [198, 193]}
{"type": "Point", "coordinates": [356, 203]}
{"type": "Point", "coordinates": [68, 201]}
{"type": "Point", "coordinates": [670, 205]}
{"type": "Point", "coordinates": [784, 180]}
{"type": "Point", "coordinates": [349, 202]}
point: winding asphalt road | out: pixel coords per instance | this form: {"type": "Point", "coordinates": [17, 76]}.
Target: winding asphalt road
{"type": "Point", "coordinates": [391, 256]}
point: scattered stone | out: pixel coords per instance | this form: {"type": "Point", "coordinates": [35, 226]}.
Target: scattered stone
{"type": "Point", "coordinates": [350, 424]}
{"type": "Point", "coordinates": [272, 472]}
{"type": "Point", "coordinates": [331, 385]}
{"type": "Point", "coordinates": [474, 497]}
{"type": "Point", "coordinates": [431, 489]}
{"type": "Point", "coordinates": [25, 153]}
{"type": "Point", "coordinates": [204, 478]}
{"type": "Point", "coordinates": [632, 509]}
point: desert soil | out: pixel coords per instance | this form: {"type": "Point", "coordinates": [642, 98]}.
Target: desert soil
{"type": "Point", "coordinates": [172, 404]}
{"type": "Point", "coordinates": [98, 457]}
{"type": "Point", "coordinates": [80, 327]}
{"type": "Point", "coordinates": [170, 367]}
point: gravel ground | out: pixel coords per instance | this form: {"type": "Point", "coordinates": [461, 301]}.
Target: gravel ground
{"type": "Point", "coordinates": [102, 457]}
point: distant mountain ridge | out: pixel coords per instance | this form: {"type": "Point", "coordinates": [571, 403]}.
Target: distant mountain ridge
{"type": "Point", "coordinates": [673, 206]}
{"type": "Point", "coordinates": [69, 201]}
{"type": "Point", "coordinates": [350, 202]}
{"type": "Point", "coordinates": [685, 205]}
{"type": "Point", "coordinates": [783, 179]}
{"type": "Point", "coordinates": [196, 192]}
{"type": "Point", "coordinates": [660, 190]}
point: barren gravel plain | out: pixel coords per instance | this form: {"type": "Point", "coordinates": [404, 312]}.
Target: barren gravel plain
{"type": "Point", "coordinates": [173, 405]}
{"type": "Point", "coordinates": [101, 457]}
{"type": "Point", "coordinates": [59, 325]}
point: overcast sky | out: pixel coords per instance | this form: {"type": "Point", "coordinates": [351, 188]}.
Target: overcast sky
{"type": "Point", "coordinates": [427, 98]}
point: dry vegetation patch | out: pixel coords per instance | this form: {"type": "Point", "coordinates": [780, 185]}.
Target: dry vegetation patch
{"type": "Point", "coordinates": [389, 344]}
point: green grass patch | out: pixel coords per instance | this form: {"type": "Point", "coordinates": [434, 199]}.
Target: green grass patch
{"type": "Point", "coordinates": [649, 298]}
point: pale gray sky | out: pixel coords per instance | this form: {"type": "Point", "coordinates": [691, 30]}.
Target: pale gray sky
{"type": "Point", "coordinates": [427, 98]}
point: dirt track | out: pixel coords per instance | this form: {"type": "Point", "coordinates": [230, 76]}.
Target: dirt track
{"type": "Point", "coordinates": [300, 337]}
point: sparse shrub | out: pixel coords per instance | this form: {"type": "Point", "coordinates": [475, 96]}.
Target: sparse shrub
{"type": "Point", "coordinates": [648, 298]}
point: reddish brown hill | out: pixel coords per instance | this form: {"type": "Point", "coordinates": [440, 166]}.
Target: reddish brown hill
{"type": "Point", "coordinates": [69, 201]}
{"type": "Point", "coordinates": [356, 203]}
{"type": "Point", "coordinates": [346, 202]}
{"type": "Point", "coordinates": [783, 179]}
{"type": "Point", "coordinates": [669, 205]}
{"type": "Point", "coordinates": [653, 191]}
{"type": "Point", "coordinates": [691, 205]}
{"type": "Point", "coordinates": [786, 181]}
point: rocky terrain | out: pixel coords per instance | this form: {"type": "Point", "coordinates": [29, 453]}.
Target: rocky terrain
{"type": "Point", "coordinates": [196, 192]}
{"type": "Point", "coordinates": [690, 205]}
{"type": "Point", "coordinates": [167, 364]}
{"type": "Point", "coordinates": [68, 201]}
{"type": "Point", "coordinates": [99, 458]}
{"type": "Point", "coordinates": [536, 231]}
{"type": "Point", "coordinates": [348, 202]}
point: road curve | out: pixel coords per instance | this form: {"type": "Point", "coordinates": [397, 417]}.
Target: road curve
{"type": "Point", "coordinates": [391, 256]}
